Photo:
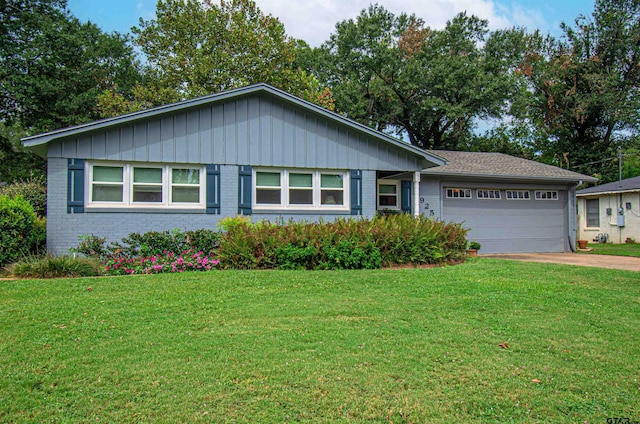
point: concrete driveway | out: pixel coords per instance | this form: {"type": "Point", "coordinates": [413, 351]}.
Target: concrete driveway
{"type": "Point", "coordinates": [580, 259]}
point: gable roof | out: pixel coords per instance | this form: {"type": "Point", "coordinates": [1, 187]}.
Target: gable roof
{"type": "Point", "coordinates": [37, 142]}
{"type": "Point", "coordinates": [629, 184]}
{"type": "Point", "coordinates": [500, 165]}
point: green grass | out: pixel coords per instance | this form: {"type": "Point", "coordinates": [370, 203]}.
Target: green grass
{"type": "Point", "coordinates": [414, 345]}
{"type": "Point", "coordinates": [615, 249]}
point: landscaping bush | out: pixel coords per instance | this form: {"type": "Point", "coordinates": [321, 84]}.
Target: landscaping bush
{"type": "Point", "coordinates": [203, 240]}
{"type": "Point", "coordinates": [91, 246]}
{"type": "Point", "coordinates": [55, 267]}
{"type": "Point", "coordinates": [153, 252]}
{"type": "Point", "coordinates": [33, 191]}
{"type": "Point", "coordinates": [17, 229]}
{"type": "Point", "coordinates": [188, 260]}
{"type": "Point", "coordinates": [342, 244]}
{"type": "Point", "coordinates": [345, 255]}
{"type": "Point", "coordinates": [150, 244]}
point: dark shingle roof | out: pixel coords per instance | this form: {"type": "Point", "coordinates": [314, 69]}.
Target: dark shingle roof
{"type": "Point", "coordinates": [630, 184]}
{"type": "Point", "coordinates": [500, 165]}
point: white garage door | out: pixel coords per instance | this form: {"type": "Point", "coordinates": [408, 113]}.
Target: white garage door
{"type": "Point", "coordinates": [512, 225]}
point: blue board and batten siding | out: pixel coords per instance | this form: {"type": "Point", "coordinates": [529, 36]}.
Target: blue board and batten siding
{"type": "Point", "coordinates": [258, 130]}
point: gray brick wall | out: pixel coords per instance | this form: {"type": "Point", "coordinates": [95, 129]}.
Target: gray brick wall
{"type": "Point", "coordinates": [63, 229]}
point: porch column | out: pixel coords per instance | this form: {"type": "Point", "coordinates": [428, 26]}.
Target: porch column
{"type": "Point", "coordinates": [416, 194]}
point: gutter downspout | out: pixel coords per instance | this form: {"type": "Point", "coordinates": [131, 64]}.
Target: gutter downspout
{"type": "Point", "coordinates": [416, 193]}
{"type": "Point", "coordinates": [572, 212]}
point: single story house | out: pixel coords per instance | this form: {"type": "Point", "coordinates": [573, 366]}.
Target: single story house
{"type": "Point", "coordinates": [260, 151]}
{"type": "Point", "coordinates": [610, 211]}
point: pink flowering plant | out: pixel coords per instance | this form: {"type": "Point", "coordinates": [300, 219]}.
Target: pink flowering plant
{"type": "Point", "coordinates": [188, 260]}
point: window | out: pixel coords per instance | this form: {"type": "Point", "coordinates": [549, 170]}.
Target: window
{"type": "Point", "coordinates": [300, 189]}
{"type": "Point", "coordinates": [388, 194]}
{"type": "Point", "coordinates": [593, 212]}
{"type": "Point", "coordinates": [517, 194]}
{"type": "Point", "coordinates": [458, 193]}
{"type": "Point", "coordinates": [332, 189]}
{"type": "Point", "coordinates": [268, 188]}
{"type": "Point", "coordinates": [145, 185]}
{"type": "Point", "coordinates": [488, 194]}
{"type": "Point", "coordinates": [107, 184]}
{"type": "Point", "coordinates": [546, 195]}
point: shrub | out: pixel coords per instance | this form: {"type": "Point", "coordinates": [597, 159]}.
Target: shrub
{"type": "Point", "coordinates": [39, 236]}
{"type": "Point", "coordinates": [342, 244]}
{"type": "Point", "coordinates": [188, 260]}
{"type": "Point", "coordinates": [91, 246]}
{"type": "Point", "coordinates": [150, 244]}
{"type": "Point", "coordinates": [33, 191]}
{"type": "Point", "coordinates": [55, 267]}
{"type": "Point", "coordinates": [17, 234]}
{"type": "Point", "coordinates": [475, 245]}
{"type": "Point", "coordinates": [232, 222]}
{"type": "Point", "coordinates": [296, 257]}
{"type": "Point", "coordinates": [345, 255]}
{"type": "Point", "coordinates": [203, 240]}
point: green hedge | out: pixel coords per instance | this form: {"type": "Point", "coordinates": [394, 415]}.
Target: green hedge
{"type": "Point", "coordinates": [34, 191]}
{"type": "Point", "coordinates": [343, 244]}
{"type": "Point", "coordinates": [18, 231]}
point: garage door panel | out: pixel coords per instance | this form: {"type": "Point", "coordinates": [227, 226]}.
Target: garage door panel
{"type": "Point", "coordinates": [504, 226]}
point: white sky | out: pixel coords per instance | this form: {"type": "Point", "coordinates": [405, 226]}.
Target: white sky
{"type": "Point", "coordinates": [314, 20]}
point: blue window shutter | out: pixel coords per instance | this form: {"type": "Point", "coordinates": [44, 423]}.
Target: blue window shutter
{"type": "Point", "coordinates": [244, 190]}
{"type": "Point", "coordinates": [356, 192]}
{"type": "Point", "coordinates": [75, 185]}
{"type": "Point", "coordinates": [405, 196]}
{"type": "Point", "coordinates": [213, 189]}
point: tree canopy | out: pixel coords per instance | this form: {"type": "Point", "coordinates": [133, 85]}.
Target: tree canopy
{"type": "Point", "coordinates": [194, 48]}
{"type": "Point", "coordinates": [396, 74]}
{"type": "Point", "coordinates": [572, 101]}
{"type": "Point", "coordinates": [52, 69]}
{"type": "Point", "coordinates": [583, 97]}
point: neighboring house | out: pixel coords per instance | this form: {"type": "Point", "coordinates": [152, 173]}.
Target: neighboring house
{"type": "Point", "coordinates": [260, 151]}
{"type": "Point", "coordinates": [612, 209]}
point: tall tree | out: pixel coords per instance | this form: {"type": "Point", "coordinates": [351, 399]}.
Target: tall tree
{"type": "Point", "coordinates": [194, 48]}
{"type": "Point", "coordinates": [52, 69]}
{"type": "Point", "coordinates": [585, 89]}
{"type": "Point", "coordinates": [393, 73]}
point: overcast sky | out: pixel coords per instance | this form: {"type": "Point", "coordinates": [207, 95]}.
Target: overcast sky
{"type": "Point", "coordinates": [314, 20]}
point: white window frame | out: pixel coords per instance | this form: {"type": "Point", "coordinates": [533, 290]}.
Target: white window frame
{"type": "Point", "coordinates": [398, 195]}
{"type": "Point", "coordinates": [480, 194]}
{"type": "Point", "coordinates": [127, 186]}
{"type": "Point", "coordinates": [526, 194]}
{"type": "Point", "coordinates": [284, 204]}
{"type": "Point", "coordinates": [546, 195]}
{"type": "Point", "coordinates": [450, 193]}
{"type": "Point", "coordinates": [586, 212]}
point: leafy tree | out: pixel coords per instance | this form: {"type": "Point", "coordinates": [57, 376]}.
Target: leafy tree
{"type": "Point", "coordinates": [584, 93]}
{"type": "Point", "coordinates": [394, 74]}
{"type": "Point", "coordinates": [53, 66]}
{"type": "Point", "coordinates": [52, 69]}
{"type": "Point", "coordinates": [16, 164]}
{"type": "Point", "coordinates": [194, 48]}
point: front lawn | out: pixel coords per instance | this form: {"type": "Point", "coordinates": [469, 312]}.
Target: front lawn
{"type": "Point", "coordinates": [486, 341]}
{"type": "Point", "coordinates": [615, 249]}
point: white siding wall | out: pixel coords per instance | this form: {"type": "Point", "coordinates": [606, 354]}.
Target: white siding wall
{"type": "Point", "coordinates": [609, 223]}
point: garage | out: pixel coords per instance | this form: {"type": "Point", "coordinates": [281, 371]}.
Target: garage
{"type": "Point", "coordinates": [509, 204]}
{"type": "Point", "coordinates": [510, 220]}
